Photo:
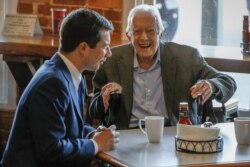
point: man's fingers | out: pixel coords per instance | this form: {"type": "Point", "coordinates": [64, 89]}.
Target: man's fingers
{"type": "Point", "coordinates": [203, 88]}
{"type": "Point", "coordinates": [107, 90]}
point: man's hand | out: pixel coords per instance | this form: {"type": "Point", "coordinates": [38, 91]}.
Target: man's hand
{"type": "Point", "coordinates": [204, 88]}
{"type": "Point", "coordinates": [107, 89]}
{"type": "Point", "coordinates": [106, 138]}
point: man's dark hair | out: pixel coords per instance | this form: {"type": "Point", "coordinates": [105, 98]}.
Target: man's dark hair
{"type": "Point", "coordinates": [82, 25]}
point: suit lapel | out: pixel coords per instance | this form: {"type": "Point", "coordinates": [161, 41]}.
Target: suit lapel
{"type": "Point", "coordinates": [168, 66]}
{"type": "Point", "coordinates": [71, 87]}
{"type": "Point", "coordinates": [125, 66]}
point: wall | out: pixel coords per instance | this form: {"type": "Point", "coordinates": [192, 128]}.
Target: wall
{"type": "Point", "coordinates": [111, 9]}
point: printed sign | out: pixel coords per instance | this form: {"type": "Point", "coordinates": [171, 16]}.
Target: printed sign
{"type": "Point", "coordinates": [21, 25]}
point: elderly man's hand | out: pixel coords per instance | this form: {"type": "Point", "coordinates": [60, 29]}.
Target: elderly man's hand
{"type": "Point", "coordinates": [107, 89]}
{"type": "Point", "coordinates": [204, 88]}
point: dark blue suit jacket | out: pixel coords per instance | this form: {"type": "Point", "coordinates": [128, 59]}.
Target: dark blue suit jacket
{"type": "Point", "coordinates": [48, 128]}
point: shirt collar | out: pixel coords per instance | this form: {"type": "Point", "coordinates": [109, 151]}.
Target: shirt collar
{"type": "Point", "coordinates": [75, 74]}
{"type": "Point", "coordinates": [157, 62]}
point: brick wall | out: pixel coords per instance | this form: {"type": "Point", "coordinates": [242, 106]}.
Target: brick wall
{"type": "Point", "coordinates": [111, 9]}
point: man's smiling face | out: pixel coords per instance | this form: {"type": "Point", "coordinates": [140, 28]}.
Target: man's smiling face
{"type": "Point", "coordinates": [144, 35]}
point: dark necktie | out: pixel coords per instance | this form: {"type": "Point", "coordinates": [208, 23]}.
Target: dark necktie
{"type": "Point", "coordinates": [81, 93]}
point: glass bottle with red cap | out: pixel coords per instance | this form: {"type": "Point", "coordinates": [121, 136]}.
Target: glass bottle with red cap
{"type": "Point", "coordinates": [184, 114]}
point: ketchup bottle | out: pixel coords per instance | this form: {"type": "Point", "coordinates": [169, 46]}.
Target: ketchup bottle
{"type": "Point", "coordinates": [183, 114]}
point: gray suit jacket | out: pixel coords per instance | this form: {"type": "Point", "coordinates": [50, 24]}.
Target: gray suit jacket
{"type": "Point", "coordinates": [181, 67]}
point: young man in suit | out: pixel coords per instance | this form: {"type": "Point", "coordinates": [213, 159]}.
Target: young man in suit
{"type": "Point", "coordinates": [154, 76]}
{"type": "Point", "coordinates": [48, 128]}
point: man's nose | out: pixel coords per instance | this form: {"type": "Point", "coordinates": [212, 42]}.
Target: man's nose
{"type": "Point", "coordinates": [144, 34]}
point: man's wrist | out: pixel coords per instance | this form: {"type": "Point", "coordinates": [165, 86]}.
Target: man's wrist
{"type": "Point", "coordinates": [215, 90]}
{"type": "Point", "coordinates": [96, 146]}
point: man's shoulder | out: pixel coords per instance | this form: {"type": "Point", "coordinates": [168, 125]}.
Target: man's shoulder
{"type": "Point", "coordinates": [176, 46]}
{"type": "Point", "coordinates": [122, 52]}
{"type": "Point", "coordinates": [177, 50]}
{"type": "Point", "coordinates": [126, 46]}
{"type": "Point", "coordinates": [53, 71]}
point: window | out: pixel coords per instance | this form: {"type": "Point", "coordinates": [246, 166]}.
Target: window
{"type": "Point", "coordinates": [206, 22]}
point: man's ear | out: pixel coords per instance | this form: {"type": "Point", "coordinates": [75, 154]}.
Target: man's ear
{"type": "Point", "coordinates": [161, 34]}
{"type": "Point", "coordinates": [128, 36]}
{"type": "Point", "coordinates": [83, 47]}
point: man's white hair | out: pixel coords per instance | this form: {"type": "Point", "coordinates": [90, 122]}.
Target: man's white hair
{"type": "Point", "coordinates": [148, 9]}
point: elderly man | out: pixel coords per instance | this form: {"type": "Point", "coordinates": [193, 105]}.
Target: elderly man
{"type": "Point", "coordinates": [153, 77]}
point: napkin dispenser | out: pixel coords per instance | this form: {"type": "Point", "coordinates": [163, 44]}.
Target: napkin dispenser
{"type": "Point", "coordinates": [197, 139]}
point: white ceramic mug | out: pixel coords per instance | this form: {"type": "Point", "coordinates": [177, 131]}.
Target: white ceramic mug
{"type": "Point", "coordinates": [154, 126]}
{"type": "Point", "coordinates": [242, 130]}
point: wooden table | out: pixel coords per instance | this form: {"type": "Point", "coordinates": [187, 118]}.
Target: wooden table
{"type": "Point", "coordinates": [134, 150]}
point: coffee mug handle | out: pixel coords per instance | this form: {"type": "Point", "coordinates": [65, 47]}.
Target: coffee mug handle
{"type": "Point", "coordinates": [143, 131]}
